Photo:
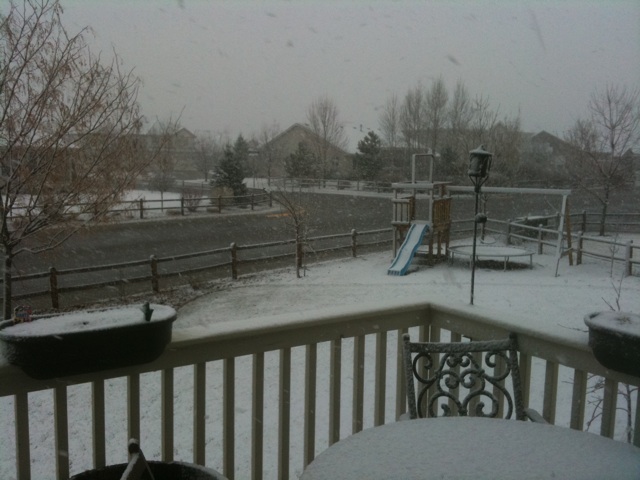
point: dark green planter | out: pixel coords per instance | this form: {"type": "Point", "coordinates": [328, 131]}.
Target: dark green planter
{"type": "Point", "coordinates": [614, 338]}
{"type": "Point", "coordinates": [87, 341]}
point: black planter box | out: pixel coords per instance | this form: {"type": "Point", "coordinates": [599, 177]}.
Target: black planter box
{"type": "Point", "coordinates": [614, 338]}
{"type": "Point", "coordinates": [98, 344]}
{"type": "Point", "coordinates": [160, 471]}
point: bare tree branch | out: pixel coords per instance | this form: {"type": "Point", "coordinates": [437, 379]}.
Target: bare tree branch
{"type": "Point", "coordinates": [69, 132]}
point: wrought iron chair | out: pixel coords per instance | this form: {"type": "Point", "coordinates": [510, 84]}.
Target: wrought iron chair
{"type": "Point", "coordinates": [468, 379]}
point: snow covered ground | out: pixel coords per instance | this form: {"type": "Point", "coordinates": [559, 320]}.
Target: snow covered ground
{"type": "Point", "coordinates": [534, 296]}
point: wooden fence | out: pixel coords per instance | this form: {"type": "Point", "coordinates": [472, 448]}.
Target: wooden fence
{"type": "Point", "coordinates": [225, 259]}
{"type": "Point", "coordinates": [539, 230]}
{"type": "Point", "coordinates": [187, 203]}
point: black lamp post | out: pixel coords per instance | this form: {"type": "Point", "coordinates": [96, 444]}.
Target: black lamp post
{"type": "Point", "coordinates": [479, 166]}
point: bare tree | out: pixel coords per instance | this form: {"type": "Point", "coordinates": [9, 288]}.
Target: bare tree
{"type": "Point", "coordinates": [506, 139]}
{"type": "Point", "coordinates": [435, 115]}
{"type": "Point", "coordinates": [324, 121]}
{"type": "Point", "coordinates": [207, 150]}
{"type": "Point", "coordinates": [412, 118]}
{"type": "Point", "coordinates": [268, 152]}
{"type": "Point", "coordinates": [483, 120]}
{"type": "Point", "coordinates": [297, 215]}
{"type": "Point", "coordinates": [163, 174]}
{"type": "Point", "coordinates": [456, 143]}
{"type": "Point", "coordinates": [390, 122]}
{"type": "Point", "coordinates": [69, 124]}
{"type": "Point", "coordinates": [460, 110]}
{"type": "Point", "coordinates": [598, 165]}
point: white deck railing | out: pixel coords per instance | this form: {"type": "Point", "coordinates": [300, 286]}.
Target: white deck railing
{"type": "Point", "coordinates": [265, 396]}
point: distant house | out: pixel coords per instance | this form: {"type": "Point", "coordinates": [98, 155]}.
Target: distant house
{"type": "Point", "coordinates": [180, 146]}
{"type": "Point", "coordinates": [273, 154]}
{"type": "Point", "coordinates": [634, 162]}
{"type": "Point", "coordinates": [554, 149]}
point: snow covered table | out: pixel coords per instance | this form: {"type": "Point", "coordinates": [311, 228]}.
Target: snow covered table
{"type": "Point", "coordinates": [465, 447]}
{"type": "Point", "coordinates": [490, 252]}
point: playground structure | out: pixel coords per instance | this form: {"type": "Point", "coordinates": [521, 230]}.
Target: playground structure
{"type": "Point", "coordinates": [435, 230]}
{"type": "Point", "coordinates": [406, 238]}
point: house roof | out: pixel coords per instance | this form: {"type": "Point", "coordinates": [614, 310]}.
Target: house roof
{"type": "Point", "coordinates": [158, 128]}
{"type": "Point", "coordinates": [306, 130]}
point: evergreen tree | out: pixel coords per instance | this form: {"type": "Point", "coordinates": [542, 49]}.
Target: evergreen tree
{"type": "Point", "coordinates": [230, 172]}
{"type": "Point", "coordinates": [301, 163]}
{"type": "Point", "coordinates": [241, 152]}
{"type": "Point", "coordinates": [368, 159]}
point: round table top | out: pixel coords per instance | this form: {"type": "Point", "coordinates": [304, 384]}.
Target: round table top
{"type": "Point", "coordinates": [465, 447]}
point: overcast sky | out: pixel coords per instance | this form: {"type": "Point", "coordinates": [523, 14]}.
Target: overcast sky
{"type": "Point", "coordinates": [237, 65]}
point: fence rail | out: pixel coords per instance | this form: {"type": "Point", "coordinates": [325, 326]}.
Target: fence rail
{"type": "Point", "coordinates": [193, 204]}
{"type": "Point", "coordinates": [225, 258]}
{"type": "Point", "coordinates": [538, 231]}
{"type": "Point", "coordinates": [141, 207]}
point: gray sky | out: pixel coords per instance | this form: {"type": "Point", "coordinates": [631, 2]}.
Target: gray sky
{"type": "Point", "coordinates": [237, 65]}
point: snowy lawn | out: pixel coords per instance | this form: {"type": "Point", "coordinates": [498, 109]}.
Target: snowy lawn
{"type": "Point", "coordinates": [534, 296]}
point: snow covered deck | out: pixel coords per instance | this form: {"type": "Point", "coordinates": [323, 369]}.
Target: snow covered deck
{"type": "Point", "coordinates": [261, 398]}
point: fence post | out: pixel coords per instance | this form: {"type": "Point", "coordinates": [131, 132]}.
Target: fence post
{"type": "Point", "coordinates": [219, 203]}
{"type": "Point", "coordinates": [234, 261]}
{"type": "Point", "coordinates": [628, 266]}
{"type": "Point", "coordinates": [53, 287]}
{"type": "Point", "coordinates": [252, 199]}
{"type": "Point", "coordinates": [579, 252]}
{"type": "Point", "coordinates": [155, 283]}
{"type": "Point", "coordinates": [141, 208]}
{"type": "Point", "coordinates": [508, 241]}
{"type": "Point", "coordinates": [540, 239]}
{"type": "Point", "coordinates": [354, 243]}
{"type": "Point", "coordinates": [270, 199]}
{"type": "Point", "coordinates": [182, 206]}
{"type": "Point", "coordinates": [584, 220]}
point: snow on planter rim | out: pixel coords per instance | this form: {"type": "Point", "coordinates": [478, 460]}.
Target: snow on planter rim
{"type": "Point", "coordinates": [88, 320]}
{"type": "Point", "coordinates": [620, 322]}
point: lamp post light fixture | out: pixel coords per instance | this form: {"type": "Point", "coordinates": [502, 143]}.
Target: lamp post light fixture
{"type": "Point", "coordinates": [479, 166]}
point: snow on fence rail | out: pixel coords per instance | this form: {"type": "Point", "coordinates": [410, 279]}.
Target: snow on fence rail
{"type": "Point", "coordinates": [225, 258]}
{"type": "Point", "coordinates": [187, 203]}
{"type": "Point", "coordinates": [143, 208]}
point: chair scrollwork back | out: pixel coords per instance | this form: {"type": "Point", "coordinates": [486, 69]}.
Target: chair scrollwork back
{"type": "Point", "coordinates": [463, 378]}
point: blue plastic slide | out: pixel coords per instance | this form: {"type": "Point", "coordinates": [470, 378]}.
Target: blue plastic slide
{"type": "Point", "coordinates": [408, 249]}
